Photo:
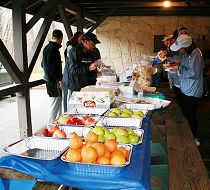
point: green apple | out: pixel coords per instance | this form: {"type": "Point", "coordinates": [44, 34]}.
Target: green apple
{"type": "Point", "coordinates": [123, 139]}
{"type": "Point", "coordinates": [109, 135]}
{"type": "Point", "coordinates": [98, 130]}
{"type": "Point", "coordinates": [117, 110]}
{"type": "Point", "coordinates": [114, 130]}
{"type": "Point", "coordinates": [106, 130]}
{"type": "Point", "coordinates": [133, 138]}
{"type": "Point", "coordinates": [127, 110]}
{"type": "Point", "coordinates": [123, 114]}
{"type": "Point", "coordinates": [113, 114]}
{"type": "Point", "coordinates": [140, 113]}
{"type": "Point", "coordinates": [130, 131]}
{"type": "Point", "coordinates": [136, 116]}
{"type": "Point", "coordinates": [101, 139]}
{"type": "Point", "coordinates": [121, 131]}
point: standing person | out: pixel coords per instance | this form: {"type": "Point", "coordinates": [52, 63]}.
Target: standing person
{"type": "Point", "coordinates": [191, 79]}
{"type": "Point", "coordinates": [80, 66]}
{"type": "Point", "coordinates": [75, 40]}
{"type": "Point", "coordinates": [51, 63]}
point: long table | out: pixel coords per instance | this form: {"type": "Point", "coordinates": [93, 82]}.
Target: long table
{"type": "Point", "coordinates": [135, 176]}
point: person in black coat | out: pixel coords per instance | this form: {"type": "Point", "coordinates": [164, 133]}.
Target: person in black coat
{"type": "Point", "coordinates": [81, 66]}
{"type": "Point", "coordinates": [51, 63]}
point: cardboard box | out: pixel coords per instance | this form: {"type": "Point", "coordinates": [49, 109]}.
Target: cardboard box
{"type": "Point", "coordinates": [90, 99]}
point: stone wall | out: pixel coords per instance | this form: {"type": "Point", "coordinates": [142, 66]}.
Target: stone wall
{"type": "Point", "coordinates": [125, 39]}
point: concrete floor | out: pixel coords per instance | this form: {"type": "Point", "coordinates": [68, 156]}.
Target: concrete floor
{"type": "Point", "coordinates": [9, 128]}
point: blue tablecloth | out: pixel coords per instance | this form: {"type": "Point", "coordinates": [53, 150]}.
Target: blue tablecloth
{"type": "Point", "coordinates": [135, 176]}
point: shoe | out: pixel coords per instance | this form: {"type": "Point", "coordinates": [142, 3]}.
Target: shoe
{"type": "Point", "coordinates": [197, 142]}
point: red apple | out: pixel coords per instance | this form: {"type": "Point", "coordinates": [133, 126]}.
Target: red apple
{"type": "Point", "coordinates": [90, 121]}
{"type": "Point", "coordinates": [52, 129]}
{"type": "Point", "coordinates": [59, 134]}
{"type": "Point", "coordinates": [84, 117]}
{"type": "Point", "coordinates": [69, 122]}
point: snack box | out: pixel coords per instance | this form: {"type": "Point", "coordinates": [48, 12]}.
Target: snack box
{"type": "Point", "coordinates": [38, 148]}
{"type": "Point", "coordinates": [98, 168]}
{"type": "Point", "coordinates": [80, 131]}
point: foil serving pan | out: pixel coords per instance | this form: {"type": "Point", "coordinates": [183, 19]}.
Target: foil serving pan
{"type": "Point", "coordinates": [80, 131]}
{"type": "Point", "coordinates": [87, 111]}
{"type": "Point", "coordinates": [61, 120]}
{"type": "Point", "coordinates": [98, 168]}
{"type": "Point", "coordinates": [38, 148]}
{"type": "Point", "coordinates": [120, 122]}
{"type": "Point", "coordinates": [137, 131]}
{"type": "Point", "coordinates": [123, 107]}
{"type": "Point", "coordinates": [138, 106]}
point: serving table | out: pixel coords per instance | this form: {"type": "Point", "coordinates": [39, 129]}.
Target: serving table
{"type": "Point", "coordinates": [135, 176]}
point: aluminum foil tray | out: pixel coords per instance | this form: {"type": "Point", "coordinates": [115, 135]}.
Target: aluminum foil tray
{"type": "Point", "coordinates": [98, 168]}
{"type": "Point", "coordinates": [80, 131]}
{"type": "Point", "coordinates": [139, 132]}
{"type": "Point", "coordinates": [138, 106]}
{"type": "Point", "coordinates": [120, 122]}
{"type": "Point", "coordinates": [122, 107]}
{"type": "Point", "coordinates": [87, 111]}
{"type": "Point", "coordinates": [38, 148]}
{"type": "Point", "coordinates": [96, 119]}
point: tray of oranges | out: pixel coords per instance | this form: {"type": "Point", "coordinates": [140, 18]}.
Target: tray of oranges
{"type": "Point", "coordinates": [95, 157]}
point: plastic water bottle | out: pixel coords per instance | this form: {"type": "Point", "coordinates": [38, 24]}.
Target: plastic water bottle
{"type": "Point", "coordinates": [140, 93]}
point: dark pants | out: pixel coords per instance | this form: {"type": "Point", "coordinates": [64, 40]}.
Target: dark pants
{"type": "Point", "coordinates": [189, 107]}
{"type": "Point", "coordinates": [178, 94]}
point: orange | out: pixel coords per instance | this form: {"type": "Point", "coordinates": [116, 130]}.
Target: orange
{"type": "Point", "coordinates": [91, 137]}
{"type": "Point", "coordinates": [118, 160]}
{"type": "Point", "coordinates": [107, 154]}
{"type": "Point", "coordinates": [124, 151]}
{"type": "Point", "coordinates": [100, 148]}
{"type": "Point", "coordinates": [73, 155]}
{"type": "Point", "coordinates": [89, 154]}
{"type": "Point", "coordinates": [103, 160]}
{"type": "Point", "coordinates": [111, 145]}
{"type": "Point", "coordinates": [75, 142]}
{"type": "Point", "coordinates": [117, 152]}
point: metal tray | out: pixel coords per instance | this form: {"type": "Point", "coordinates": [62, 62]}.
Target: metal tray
{"type": "Point", "coordinates": [120, 122]}
{"type": "Point", "coordinates": [138, 106]}
{"type": "Point", "coordinates": [98, 168]}
{"type": "Point", "coordinates": [80, 131]}
{"type": "Point", "coordinates": [122, 107]}
{"type": "Point", "coordinates": [96, 118]}
{"type": "Point", "coordinates": [87, 111]}
{"type": "Point", "coordinates": [38, 148]}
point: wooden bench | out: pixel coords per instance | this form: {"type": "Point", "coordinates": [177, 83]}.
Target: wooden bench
{"type": "Point", "coordinates": [186, 168]}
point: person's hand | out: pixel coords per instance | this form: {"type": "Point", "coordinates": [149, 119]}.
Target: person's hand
{"type": "Point", "coordinates": [93, 66]}
{"type": "Point", "coordinates": [60, 84]}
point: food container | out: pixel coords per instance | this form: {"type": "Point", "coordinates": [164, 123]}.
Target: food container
{"type": "Point", "coordinates": [63, 118]}
{"type": "Point", "coordinates": [138, 106]}
{"type": "Point", "coordinates": [98, 168]}
{"type": "Point", "coordinates": [137, 131]}
{"type": "Point", "coordinates": [120, 122]}
{"type": "Point", "coordinates": [127, 116]}
{"type": "Point", "coordinates": [87, 111]}
{"type": "Point", "coordinates": [38, 148]}
{"type": "Point", "coordinates": [80, 131]}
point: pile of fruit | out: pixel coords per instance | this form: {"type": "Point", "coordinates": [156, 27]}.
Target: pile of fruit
{"type": "Point", "coordinates": [126, 112]}
{"type": "Point", "coordinates": [72, 120]}
{"type": "Point", "coordinates": [92, 151]}
{"type": "Point", "coordinates": [120, 134]}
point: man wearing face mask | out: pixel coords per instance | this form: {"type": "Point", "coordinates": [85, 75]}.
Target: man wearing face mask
{"type": "Point", "coordinates": [81, 64]}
